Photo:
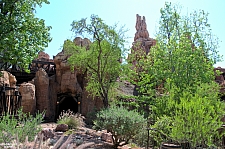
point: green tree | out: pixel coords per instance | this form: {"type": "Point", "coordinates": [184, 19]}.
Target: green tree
{"type": "Point", "coordinates": [184, 53]}
{"type": "Point", "coordinates": [181, 63]}
{"type": "Point", "coordinates": [22, 35]}
{"type": "Point", "coordinates": [102, 59]}
{"type": "Point", "coordinates": [188, 47]}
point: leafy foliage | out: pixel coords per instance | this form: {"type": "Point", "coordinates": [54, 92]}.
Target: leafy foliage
{"type": "Point", "coordinates": [184, 54]}
{"type": "Point", "coordinates": [177, 79]}
{"type": "Point", "coordinates": [102, 59]}
{"type": "Point", "coordinates": [123, 124]}
{"type": "Point", "coordinates": [196, 118]}
{"type": "Point", "coordinates": [22, 35]}
{"type": "Point", "coordinates": [23, 126]}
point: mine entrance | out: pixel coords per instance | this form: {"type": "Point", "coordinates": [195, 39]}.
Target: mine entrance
{"type": "Point", "coordinates": [67, 102]}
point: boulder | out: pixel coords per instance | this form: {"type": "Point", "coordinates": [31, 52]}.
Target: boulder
{"type": "Point", "coordinates": [27, 91]}
{"type": "Point", "coordinates": [41, 82]}
{"type": "Point", "coordinates": [62, 127]}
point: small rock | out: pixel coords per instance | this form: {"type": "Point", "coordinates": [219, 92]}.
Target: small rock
{"type": "Point", "coordinates": [106, 137]}
{"type": "Point", "coordinates": [61, 127]}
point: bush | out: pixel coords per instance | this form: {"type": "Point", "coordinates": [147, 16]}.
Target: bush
{"type": "Point", "coordinates": [23, 126]}
{"type": "Point", "coordinates": [71, 119]}
{"type": "Point", "coordinates": [193, 117]}
{"type": "Point", "coordinates": [197, 120]}
{"type": "Point", "coordinates": [91, 116]}
{"type": "Point", "coordinates": [123, 124]}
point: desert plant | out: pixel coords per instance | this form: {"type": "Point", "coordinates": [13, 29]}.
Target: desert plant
{"type": "Point", "coordinates": [71, 119]}
{"type": "Point", "coordinates": [197, 119]}
{"type": "Point", "coordinates": [122, 123]}
{"type": "Point", "coordinates": [91, 116]}
{"type": "Point", "coordinates": [194, 118]}
{"type": "Point", "coordinates": [141, 138]}
{"type": "Point", "coordinates": [161, 130]}
{"type": "Point", "coordinates": [23, 126]}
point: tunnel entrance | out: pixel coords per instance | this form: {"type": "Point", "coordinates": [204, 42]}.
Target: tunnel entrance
{"type": "Point", "coordinates": [67, 102]}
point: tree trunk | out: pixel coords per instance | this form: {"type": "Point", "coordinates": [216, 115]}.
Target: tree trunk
{"type": "Point", "coordinates": [106, 101]}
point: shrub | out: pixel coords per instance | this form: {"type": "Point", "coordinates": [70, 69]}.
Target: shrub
{"type": "Point", "coordinates": [71, 119]}
{"type": "Point", "coordinates": [123, 124]}
{"type": "Point", "coordinates": [161, 130]}
{"type": "Point", "coordinates": [23, 126]}
{"type": "Point", "coordinates": [141, 137]}
{"type": "Point", "coordinates": [91, 116]}
{"type": "Point", "coordinates": [193, 117]}
{"type": "Point", "coordinates": [197, 120]}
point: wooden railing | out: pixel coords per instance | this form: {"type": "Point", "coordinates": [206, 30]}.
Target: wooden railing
{"type": "Point", "coordinates": [10, 100]}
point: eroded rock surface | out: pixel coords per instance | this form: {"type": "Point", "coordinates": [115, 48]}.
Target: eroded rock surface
{"type": "Point", "coordinates": [8, 80]}
{"type": "Point", "coordinates": [41, 82]}
{"type": "Point", "coordinates": [27, 91]}
{"type": "Point", "coordinates": [142, 41]}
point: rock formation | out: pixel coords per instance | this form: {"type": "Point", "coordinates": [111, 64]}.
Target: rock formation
{"type": "Point", "coordinates": [42, 56]}
{"type": "Point", "coordinates": [65, 88]}
{"type": "Point", "coordinates": [142, 41]}
{"type": "Point", "coordinates": [27, 91]}
{"type": "Point", "coordinates": [66, 79]}
{"type": "Point", "coordinates": [74, 82]}
{"type": "Point", "coordinates": [41, 82]}
{"type": "Point", "coordinates": [8, 80]}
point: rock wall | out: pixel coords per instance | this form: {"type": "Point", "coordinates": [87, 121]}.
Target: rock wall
{"type": "Point", "coordinates": [220, 79]}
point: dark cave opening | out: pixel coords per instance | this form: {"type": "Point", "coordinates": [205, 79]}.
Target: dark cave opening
{"type": "Point", "coordinates": [66, 102]}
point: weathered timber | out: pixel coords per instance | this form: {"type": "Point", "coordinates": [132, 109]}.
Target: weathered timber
{"type": "Point", "coordinates": [10, 100]}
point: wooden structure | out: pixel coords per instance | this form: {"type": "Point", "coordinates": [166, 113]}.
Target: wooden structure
{"type": "Point", "coordinates": [22, 76]}
{"type": "Point", "coordinates": [10, 100]}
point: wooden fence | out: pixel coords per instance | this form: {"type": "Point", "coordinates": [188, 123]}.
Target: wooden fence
{"type": "Point", "coordinates": [10, 100]}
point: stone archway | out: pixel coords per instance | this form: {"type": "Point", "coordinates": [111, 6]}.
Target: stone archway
{"type": "Point", "coordinates": [67, 102]}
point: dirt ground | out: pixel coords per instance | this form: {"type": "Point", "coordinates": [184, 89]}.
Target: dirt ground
{"type": "Point", "coordinates": [84, 138]}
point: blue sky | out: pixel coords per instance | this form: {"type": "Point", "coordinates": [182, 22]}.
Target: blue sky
{"type": "Point", "coordinates": [60, 13]}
